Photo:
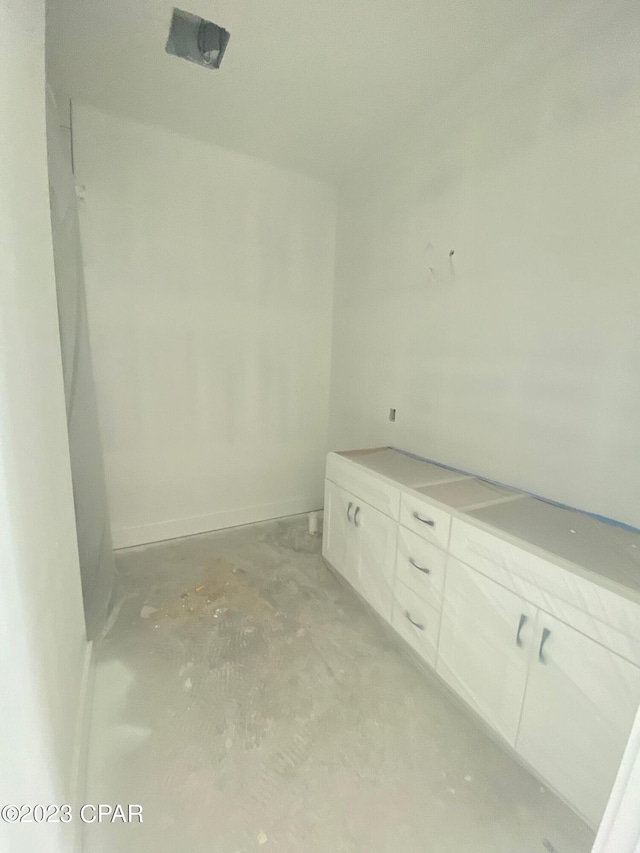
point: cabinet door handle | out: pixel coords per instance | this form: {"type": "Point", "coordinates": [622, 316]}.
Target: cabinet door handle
{"type": "Point", "coordinates": [419, 568]}
{"type": "Point", "coordinates": [424, 520]}
{"type": "Point", "coordinates": [355, 516]}
{"type": "Point", "coordinates": [349, 510]}
{"type": "Point", "coordinates": [417, 625]}
{"type": "Point", "coordinates": [523, 621]}
{"type": "Point", "coordinates": [546, 633]}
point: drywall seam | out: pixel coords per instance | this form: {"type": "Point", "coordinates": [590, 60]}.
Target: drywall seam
{"type": "Point", "coordinates": [81, 744]}
{"type": "Point", "coordinates": [146, 534]}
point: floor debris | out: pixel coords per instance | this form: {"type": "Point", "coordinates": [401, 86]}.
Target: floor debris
{"type": "Point", "coordinates": [251, 739]}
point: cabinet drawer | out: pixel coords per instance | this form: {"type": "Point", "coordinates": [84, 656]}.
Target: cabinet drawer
{"type": "Point", "coordinates": [429, 521]}
{"type": "Point", "coordinates": [420, 566]}
{"type": "Point", "coordinates": [416, 622]}
{"type": "Point", "coordinates": [354, 478]}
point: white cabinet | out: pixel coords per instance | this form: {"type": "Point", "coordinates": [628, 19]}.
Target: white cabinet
{"type": "Point", "coordinates": [376, 536]}
{"type": "Point", "coordinates": [374, 491]}
{"type": "Point", "coordinates": [572, 721]}
{"type": "Point", "coordinates": [485, 643]}
{"type": "Point", "coordinates": [539, 651]}
{"type": "Point", "coordinates": [338, 543]}
{"type": "Point", "coordinates": [360, 543]}
{"type": "Point", "coordinates": [580, 704]}
{"type": "Point", "coordinates": [429, 521]}
{"type": "Point", "coordinates": [416, 622]}
{"type": "Point", "coordinates": [420, 566]}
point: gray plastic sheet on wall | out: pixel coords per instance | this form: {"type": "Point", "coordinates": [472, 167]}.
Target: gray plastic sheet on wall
{"type": "Point", "coordinates": [87, 465]}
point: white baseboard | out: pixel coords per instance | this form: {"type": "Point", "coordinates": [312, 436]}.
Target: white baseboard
{"type": "Point", "coordinates": [81, 744]}
{"type": "Point", "coordinates": [128, 537]}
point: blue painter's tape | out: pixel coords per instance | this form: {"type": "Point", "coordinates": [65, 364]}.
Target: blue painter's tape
{"type": "Point", "coordinates": [602, 518]}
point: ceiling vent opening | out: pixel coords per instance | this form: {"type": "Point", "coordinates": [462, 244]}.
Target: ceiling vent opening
{"type": "Point", "coordinates": [197, 40]}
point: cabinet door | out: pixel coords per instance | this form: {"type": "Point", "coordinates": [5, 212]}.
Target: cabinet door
{"type": "Point", "coordinates": [485, 644]}
{"type": "Point", "coordinates": [339, 540]}
{"type": "Point", "coordinates": [377, 556]}
{"type": "Point", "coordinates": [579, 707]}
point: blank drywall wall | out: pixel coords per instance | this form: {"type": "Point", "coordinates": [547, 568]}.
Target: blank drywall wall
{"type": "Point", "coordinates": [209, 283]}
{"type": "Point", "coordinates": [518, 357]}
{"type": "Point", "coordinates": [42, 640]}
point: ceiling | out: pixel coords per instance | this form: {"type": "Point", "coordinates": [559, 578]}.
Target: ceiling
{"type": "Point", "coordinates": [322, 88]}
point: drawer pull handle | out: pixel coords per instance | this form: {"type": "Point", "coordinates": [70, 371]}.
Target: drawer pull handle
{"type": "Point", "coordinates": [355, 516]}
{"type": "Point", "coordinates": [417, 625]}
{"type": "Point", "coordinates": [419, 568]}
{"type": "Point", "coordinates": [546, 633]}
{"type": "Point", "coordinates": [424, 520]}
{"type": "Point", "coordinates": [523, 621]}
{"type": "Point", "coordinates": [349, 510]}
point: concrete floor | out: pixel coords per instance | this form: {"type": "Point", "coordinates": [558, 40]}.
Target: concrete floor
{"type": "Point", "coordinates": [248, 700]}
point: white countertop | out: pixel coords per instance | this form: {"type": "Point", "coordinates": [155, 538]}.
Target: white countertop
{"type": "Point", "coordinates": [404, 469]}
{"type": "Point", "coordinates": [470, 493]}
{"type": "Point", "coordinates": [607, 551]}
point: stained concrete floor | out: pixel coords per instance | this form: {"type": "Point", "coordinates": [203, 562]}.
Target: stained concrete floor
{"type": "Point", "coordinates": [249, 701]}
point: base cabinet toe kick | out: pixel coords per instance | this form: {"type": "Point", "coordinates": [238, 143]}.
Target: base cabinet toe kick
{"type": "Point", "coordinates": [547, 657]}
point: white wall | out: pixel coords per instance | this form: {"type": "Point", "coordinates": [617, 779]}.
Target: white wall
{"type": "Point", "coordinates": [525, 366]}
{"type": "Point", "coordinates": [209, 283]}
{"type": "Point", "coordinates": [42, 642]}
{"type": "Point", "coordinates": [95, 551]}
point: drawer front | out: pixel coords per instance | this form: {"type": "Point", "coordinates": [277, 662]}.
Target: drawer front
{"type": "Point", "coordinates": [416, 622]}
{"type": "Point", "coordinates": [378, 493]}
{"type": "Point", "coordinates": [420, 566]}
{"type": "Point", "coordinates": [591, 609]}
{"type": "Point", "coordinates": [425, 519]}
{"type": "Point", "coordinates": [482, 551]}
